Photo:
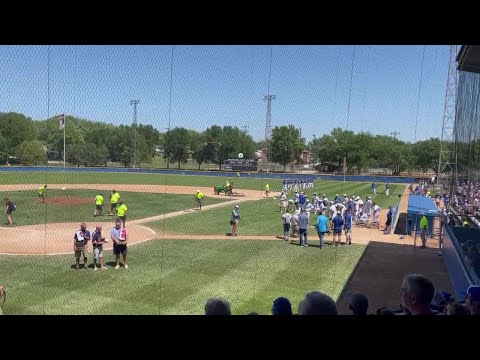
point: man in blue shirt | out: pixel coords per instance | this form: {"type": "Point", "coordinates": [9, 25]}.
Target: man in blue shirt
{"type": "Point", "coordinates": [348, 228]}
{"type": "Point", "coordinates": [446, 200]}
{"type": "Point", "coordinates": [388, 224]}
{"type": "Point", "coordinates": [337, 224]}
{"type": "Point", "coordinates": [373, 188]}
{"type": "Point", "coordinates": [301, 200]}
{"type": "Point", "coordinates": [321, 227]}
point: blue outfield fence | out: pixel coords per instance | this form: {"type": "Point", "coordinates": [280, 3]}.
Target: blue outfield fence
{"type": "Point", "coordinates": [258, 175]}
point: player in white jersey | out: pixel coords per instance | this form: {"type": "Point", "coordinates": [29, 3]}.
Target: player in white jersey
{"type": "Point", "coordinates": [283, 202]}
{"type": "Point", "coordinates": [376, 214]}
{"type": "Point", "coordinates": [341, 208]}
{"type": "Point", "coordinates": [332, 210]}
{"type": "Point", "coordinates": [286, 221]}
{"type": "Point", "coordinates": [309, 208]}
{"type": "Point", "coordinates": [368, 206]}
{"type": "Point", "coordinates": [291, 205]}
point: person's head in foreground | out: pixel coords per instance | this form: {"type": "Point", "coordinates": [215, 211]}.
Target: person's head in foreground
{"type": "Point", "coordinates": [281, 306]}
{"type": "Point", "coordinates": [416, 294]}
{"type": "Point", "coordinates": [358, 304]}
{"type": "Point", "coordinates": [317, 303]}
{"type": "Point", "coordinates": [217, 306]}
{"type": "Point", "coordinates": [473, 299]}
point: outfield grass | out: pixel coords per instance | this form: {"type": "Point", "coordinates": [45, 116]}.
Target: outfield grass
{"type": "Point", "coordinates": [7, 178]}
{"type": "Point", "coordinates": [177, 277]}
{"type": "Point", "coordinates": [261, 217]}
{"type": "Point", "coordinates": [140, 205]}
{"type": "Point", "coordinates": [53, 177]}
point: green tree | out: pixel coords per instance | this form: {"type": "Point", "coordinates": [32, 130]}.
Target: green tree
{"type": "Point", "coordinates": [151, 136]}
{"type": "Point", "coordinates": [286, 145]}
{"type": "Point", "coordinates": [3, 149]}
{"type": "Point", "coordinates": [197, 147]}
{"type": "Point", "coordinates": [75, 153]}
{"type": "Point", "coordinates": [232, 141]}
{"type": "Point", "coordinates": [426, 154]}
{"type": "Point", "coordinates": [212, 139]}
{"type": "Point", "coordinates": [16, 128]}
{"type": "Point", "coordinates": [176, 146]}
{"type": "Point", "coordinates": [32, 153]}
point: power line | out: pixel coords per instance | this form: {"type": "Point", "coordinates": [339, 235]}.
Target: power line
{"type": "Point", "coordinates": [419, 91]}
{"type": "Point", "coordinates": [351, 81]}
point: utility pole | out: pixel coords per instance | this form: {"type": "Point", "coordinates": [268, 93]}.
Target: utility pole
{"type": "Point", "coordinates": [134, 103]}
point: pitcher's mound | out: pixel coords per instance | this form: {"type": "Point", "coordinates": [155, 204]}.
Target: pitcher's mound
{"type": "Point", "coordinates": [65, 200]}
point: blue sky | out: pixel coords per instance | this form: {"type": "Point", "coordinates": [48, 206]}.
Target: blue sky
{"type": "Point", "coordinates": [225, 85]}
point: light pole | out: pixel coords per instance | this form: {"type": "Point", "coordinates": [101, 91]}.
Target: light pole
{"type": "Point", "coordinates": [134, 103]}
{"type": "Point", "coordinates": [313, 151]}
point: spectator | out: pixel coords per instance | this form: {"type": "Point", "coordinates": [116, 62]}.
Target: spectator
{"type": "Point", "coordinates": [217, 306]}
{"type": "Point", "coordinates": [295, 224]}
{"type": "Point", "coordinates": [473, 256]}
{"type": "Point", "coordinates": [337, 224]}
{"type": "Point", "coordinates": [119, 238]}
{"type": "Point", "coordinates": [473, 299]}
{"type": "Point", "coordinates": [358, 304]}
{"type": "Point", "coordinates": [10, 207]}
{"type": "Point", "coordinates": [281, 306]}
{"type": "Point", "coordinates": [97, 242]}
{"type": "Point", "coordinates": [317, 303]}
{"type": "Point", "coordinates": [440, 300]}
{"type": "Point", "coordinates": [303, 226]}
{"type": "Point", "coordinates": [416, 294]}
{"type": "Point", "coordinates": [80, 241]}
{"type": "Point", "coordinates": [455, 308]}
{"type": "Point", "coordinates": [321, 228]}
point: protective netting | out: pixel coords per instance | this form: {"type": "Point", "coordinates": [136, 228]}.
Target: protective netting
{"type": "Point", "coordinates": [467, 126]}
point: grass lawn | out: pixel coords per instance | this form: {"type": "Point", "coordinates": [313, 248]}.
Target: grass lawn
{"type": "Point", "coordinates": [328, 187]}
{"type": "Point", "coordinates": [177, 277]}
{"type": "Point", "coordinates": [260, 217]}
{"type": "Point", "coordinates": [140, 205]}
{"type": "Point", "coordinates": [53, 177]}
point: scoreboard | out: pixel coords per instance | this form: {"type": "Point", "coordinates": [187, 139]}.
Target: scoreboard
{"type": "Point", "coordinates": [240, 165]}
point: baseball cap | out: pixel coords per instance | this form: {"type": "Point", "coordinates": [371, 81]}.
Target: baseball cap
{"type": "Point", "coordinates": [236, 206]}
{"type": "Point", "coordinates": [281, 306]}
{"type": "Point", "coordinates": [473, 293]}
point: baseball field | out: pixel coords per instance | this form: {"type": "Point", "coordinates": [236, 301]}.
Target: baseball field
{"type": "Point", "coordinates": [178, 257]}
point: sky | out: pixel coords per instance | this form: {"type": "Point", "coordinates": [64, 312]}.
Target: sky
{"type": "Point", "coordinates": [389, 89]}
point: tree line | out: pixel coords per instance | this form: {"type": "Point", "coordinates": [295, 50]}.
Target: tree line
{"type": "Point", "coordinates": [94, 143]}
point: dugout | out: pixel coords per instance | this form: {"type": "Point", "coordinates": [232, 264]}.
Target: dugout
{"type": "Point", "coordinates": [416, 205]}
